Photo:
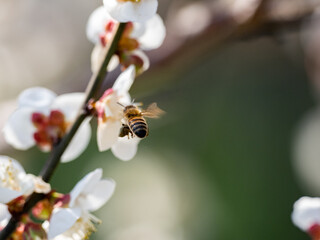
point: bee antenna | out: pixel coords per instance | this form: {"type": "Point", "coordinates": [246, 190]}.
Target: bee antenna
{"type": "Point", "coordinates": [121, 104]}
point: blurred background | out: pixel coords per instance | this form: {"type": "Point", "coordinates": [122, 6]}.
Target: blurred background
{"type": "Point", "coordinates": [240, 82]}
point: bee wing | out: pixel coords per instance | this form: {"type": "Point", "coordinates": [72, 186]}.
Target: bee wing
{"type": "Point", "coordinates": [152, 111]}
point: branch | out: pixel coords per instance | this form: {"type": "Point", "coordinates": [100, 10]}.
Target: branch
{"type": "Point", "coordinates": [54, 158]}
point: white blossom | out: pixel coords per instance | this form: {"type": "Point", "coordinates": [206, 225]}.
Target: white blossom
{"type": "Point", "coordinates": [110, 118]}
{"type": "Point", "coordinates": [76, 222]}
{"type": "Point", "coordinates": [306, 213]}
{"type": "Point", "coordinates": [15, 182]}
{"type": "Point", "coordinates": [33, 121]}
{"type": "Point", "coordinates": [136, 37]}
{"type": "Point", "coordinates": [131, 10]}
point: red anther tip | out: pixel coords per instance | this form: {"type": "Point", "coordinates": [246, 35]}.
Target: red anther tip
{"type": "Point", "coordinates": [103, 40]}
{"type": "Point", "coordinates": [109, 26]}
{"type": "Point", "coordinates": [38, 118]}
{"type": "Point", "coordinates": [56, 118]}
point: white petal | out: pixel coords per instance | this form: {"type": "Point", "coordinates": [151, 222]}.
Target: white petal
{"type": "Point", "coordinates": [96, 24]}
{"type": "Point", "coordinates": [14, 181]}
{"type": "Point", "coordinates": [107, 134]}
{"type": "Point", "coordinates": [69, 104]}
{"type": "Point", "coordinates": [113, 63]}
{"type": "Point", "coordinates": [5, 160]}
{"type": "Point", "coordinates": [38, 98]}
{"type": "Point", "coordinates": [125, 149]}
{"type": "Point", "coordinates": [131, 11]}
{"type": "Point", "coordinates": [125, 80]}
{"type": "Point", "coordinates": [61, 220]}
{"type": "Point", "coordinates": [112, 109]}
{"type": "Point", "coordinates": [26, 184]}
{"type": "Point", "coordinates": [306, 212]}
{"type": "Point", "coordinates": [98, 195]}
{"type": "Point", "coordinates": [4, 215]}
{"type": "Point", "coordinates": [154, 34]}
{"type": "Point", "coordinates": [18, 131]}
{"type": "Point", "coordinates": [79, 142]}
{"type": "Point", "coordinates": [138, 29]}
{"type": "Point", "coordinates": [85, 185]}
{"type": "Point", "coordinates": [96, 57]}
{"type": "Point", "coordinates": [145, 59]}
{"type": "Point", "coordinates": [6, 195]}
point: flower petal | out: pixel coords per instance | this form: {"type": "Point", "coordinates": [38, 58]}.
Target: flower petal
{"type": "Point", "coordinates": [78, 143]}
{"type": "Point", "coordinates": [113, 63]}
{"type": "Point", "coordinates": [26, 184]}
{"type": "Point", "coordinates": [61, 220]}
{"type": "Point", "coordinates": [97, 56]}
{"type": "Point", "coordinates": [125, 149]}
{"type": "Point", "coordinates": [4, 215]}
{"type": "Point", "coordinates": [85, 185]}
{"type": "Point", "coordinates": [18, 131]}
{"type": "Point", "coordinates": [131, 11]}
{"type": "Point", "coordinates": [125, 80]}
{"type": "Point", "coordinates": [306, 212]}
{"type": "Point", "coordinates": [138, 30]}
{"type": "Point", "coordinates": [5, 161]}
{"type": "Point", "coordinates": [38, 98]}
{"type": "Point", "coordinates": [14, 181]}
{"type": "Point", "coordinates": [6, 195]}
{"type": "Point", "coordinates": [144, 58]}
{"type": "Point", "coordinates": [69, 104]}
{"type": "Point", "coordinates": [98, 195]}
{"type": "Point", "coordinates": [107, 134]}
{"type": "Point", "coordinates": [96, 24]}
{"type": "Point", "coordinates": [154, 34]}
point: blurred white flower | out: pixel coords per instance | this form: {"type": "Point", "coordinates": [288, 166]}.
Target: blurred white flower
{"type": "Point", "coordinates": [4, 215]}
{"type": "Point", "coordinates": [87, 196]}
{"type": "Point", "coordinates": [306, 215]}
{"type": "Point", "coordinates": [131, 10]}
{"type": "Point", "coordinates": [15, 182]}
{"type": "Point", "coordinates": [42, 118]}
{"type": "Point", "coordinates": [136, 37]}
{"type": "Point", "coordinates": [110, 115]}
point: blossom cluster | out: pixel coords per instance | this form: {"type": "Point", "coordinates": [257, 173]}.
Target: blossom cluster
{"type": "Point", "coordinates": [59, 216]}
{"type": "Point", "coordinates": [43, 119]}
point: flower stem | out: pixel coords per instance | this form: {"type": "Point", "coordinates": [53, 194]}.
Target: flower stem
{"type": "Point", "coordinates": [54, 158]}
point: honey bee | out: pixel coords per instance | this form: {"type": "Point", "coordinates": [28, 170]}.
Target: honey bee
{"type": "Point", "coordinates": [135, 120]}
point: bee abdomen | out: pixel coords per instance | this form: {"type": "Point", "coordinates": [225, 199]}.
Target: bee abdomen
{"type": "Point", "coordinates": [139, 127]}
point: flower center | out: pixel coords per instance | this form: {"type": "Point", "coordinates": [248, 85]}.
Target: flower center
{"type": "Point", "coordinates": [50, 129]}
{"type": "Point", "coordinates": [83, 227]}
{"type": "Point", "coordinates": [126, 43]}
{"type": "Point", "coordinates": [9, 176]}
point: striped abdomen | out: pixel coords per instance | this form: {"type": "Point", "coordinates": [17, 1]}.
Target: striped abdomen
{"type": "Point", "coordinates": [138, 126]}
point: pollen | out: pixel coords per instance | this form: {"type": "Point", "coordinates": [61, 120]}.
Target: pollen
{"type": "Point", "coordinates": [83, 227]}
{"type": "Point", "coordinates": [9, 176]}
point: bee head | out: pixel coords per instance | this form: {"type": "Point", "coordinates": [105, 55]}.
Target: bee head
{"type": "Point", "coordinates": [131, 111]}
